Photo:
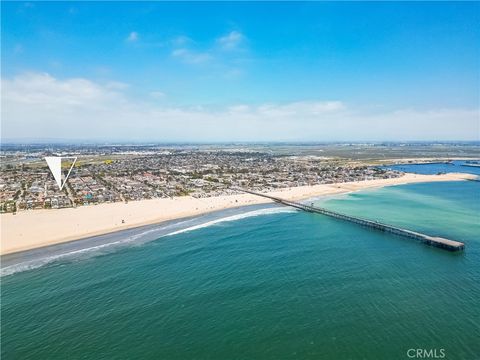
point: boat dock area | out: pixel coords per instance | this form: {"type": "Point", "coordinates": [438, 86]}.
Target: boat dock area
{"type": "Point", "coordinates": [438, 242]}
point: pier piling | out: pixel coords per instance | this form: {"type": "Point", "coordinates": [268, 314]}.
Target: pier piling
{"type": "Point", "coordinates": [434, 241]}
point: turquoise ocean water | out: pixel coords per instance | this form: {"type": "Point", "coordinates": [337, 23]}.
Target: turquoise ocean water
{"type": "Point", "coordinates": [261, 283]}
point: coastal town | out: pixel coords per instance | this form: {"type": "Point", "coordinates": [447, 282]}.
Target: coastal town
{"type": "Point", "coordinates": [123, 175]}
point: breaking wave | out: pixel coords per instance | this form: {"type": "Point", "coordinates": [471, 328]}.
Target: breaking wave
{"type": "Point", "coordinates": [140, 238]}
{"type": "Point", "coordinates": [233, 218]}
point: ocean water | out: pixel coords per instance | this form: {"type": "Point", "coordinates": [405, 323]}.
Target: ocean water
{"type": "Point", "coordinates": [458, 166]}
{"type": "Point", "coordinates": [271, 283]}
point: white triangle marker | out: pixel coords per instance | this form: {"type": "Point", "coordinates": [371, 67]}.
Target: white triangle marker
{"type": "Point", "coordinates": [55, 165]}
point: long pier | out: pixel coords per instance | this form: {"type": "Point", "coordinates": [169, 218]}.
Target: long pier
{"type": "Point", "coordinates": [434, 241]}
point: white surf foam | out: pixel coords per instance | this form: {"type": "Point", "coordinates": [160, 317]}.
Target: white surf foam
{"type": "Point", "coordinates": [33, 264]}
{"type": "Point", "coordinates": [36, 263]}
{"type": "Point", "coordinates": [95, 250]}
{"type": "Point", "coordinates": [233, 218]}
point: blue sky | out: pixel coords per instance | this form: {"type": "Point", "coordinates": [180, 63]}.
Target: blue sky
{"type": "Point", "coordinates": [241, 71]}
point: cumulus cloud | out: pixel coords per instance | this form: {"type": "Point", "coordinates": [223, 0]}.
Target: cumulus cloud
{"type": "Point", "coordinates": [45, 90]}
{"type": "Point", "coordinates": [132, 37]}
{"type": "Point", "coordinates": [38, 105]}
{"type": "Point", "coordinates": [231, 40]}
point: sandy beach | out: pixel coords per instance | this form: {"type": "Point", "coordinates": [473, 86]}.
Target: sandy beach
{"type": "Point", "coordinates": [37, 228]}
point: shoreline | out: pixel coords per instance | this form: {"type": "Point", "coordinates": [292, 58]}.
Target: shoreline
{"type": "Point", "coordinates": [34, 229]}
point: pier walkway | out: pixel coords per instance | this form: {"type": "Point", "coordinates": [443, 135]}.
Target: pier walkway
{"type": "Point", "coordinates": [439, 242]}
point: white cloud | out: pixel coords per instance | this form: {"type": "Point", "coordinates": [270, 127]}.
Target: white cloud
{"type": "Point", "coordinates": [43, 89]}
{"type": "Point", "coordinates": [241, 108]}
{"type": "Point", "coordinates": [301, 108]}
{"type": "Point", "coordinates": [186, 54]}
{"type": "Point", "coordinates": [191, 57]}
{"type": "Point", "coordinates": [231, 41]}
{"type": "Point", "coordinates": [116, 85]}
{"type": "Point", "coordinates": [36, 105]}
{"type": "Point", "coordinates": [132, 37]}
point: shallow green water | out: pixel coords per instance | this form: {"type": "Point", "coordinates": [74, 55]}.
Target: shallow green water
{"type": "Point", "coordinates": [286, 285]}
